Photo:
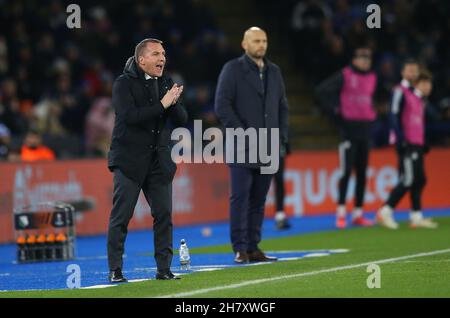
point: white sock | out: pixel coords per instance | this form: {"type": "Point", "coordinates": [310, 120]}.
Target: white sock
{"type": "Point", "coordinates": [415, 216]}
{"type": "Point", "coordinates": [341, 212]}
{"type": "Point", "coordinates": [357, 213]}
{"type": "Point", "coordinates": [386, 209]}
{"type": "Point", "coordinates": [280, 216]}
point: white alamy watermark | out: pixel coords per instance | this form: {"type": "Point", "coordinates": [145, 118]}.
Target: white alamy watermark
{"type": "Point", "coordinates": [242, 146]}
{"type": "Point", "coordinates": [374, 279]}
{"type": "Point", "coordinates": [73, 20]}
{"type": "Point", "coordinates": [74, 278]}
{"type": "Point", "coordinates": [373, 21]}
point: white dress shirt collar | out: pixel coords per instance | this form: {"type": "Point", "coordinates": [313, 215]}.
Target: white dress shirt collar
{"type": "Point", "coordinates": [405, 83]}
{"type": "Point", "coordinates": [149, 77]}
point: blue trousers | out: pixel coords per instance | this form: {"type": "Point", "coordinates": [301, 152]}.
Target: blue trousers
{"type": "Point", "coordinates": [248, 196]}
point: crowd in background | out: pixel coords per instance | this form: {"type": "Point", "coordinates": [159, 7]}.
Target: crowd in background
{"type": "Point", "coordinates": [56, 82]}
{"type": "Point", "coordinates": [324, 33]}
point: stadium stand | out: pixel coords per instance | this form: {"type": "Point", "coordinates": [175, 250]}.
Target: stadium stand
{"type": "Point", "coordinates": [58, 81]}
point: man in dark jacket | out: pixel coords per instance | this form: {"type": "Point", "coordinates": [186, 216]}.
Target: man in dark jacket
{"type": "Point", "coordinates": [251, 94]}
{"type": "Point", "coordinates": [144, 99]}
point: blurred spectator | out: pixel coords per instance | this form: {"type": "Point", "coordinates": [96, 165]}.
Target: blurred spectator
{"type": "Point", "coordinates": [14, 155]}
{"type": "Point", "coordinates": [323, 32]}
{"type": "Point", "coordinates": [10, 112]}
{"type": "Point", "coordinates": [204, 98]}
{"type": "Point", "coordinates": [46, 118]}
{"type": "Point", "coordinates": [3, 58]}
{"type": "Point", "coordinates": [387, 76]}
{"type": "Point", "coordinates": [52, 78]}
{"type": "Point", "coordinates": [34, 150]}
{"type": "Point", "coordinates": [335, 48]}
{"type": "Point", "coordinates": [99, 126]}
{"type": "Point", "coordinates": [5, 141]}
{"type": "Point", "coordinates": [200, 105]}
{"type": "Point", "coordinates": [307, 22]}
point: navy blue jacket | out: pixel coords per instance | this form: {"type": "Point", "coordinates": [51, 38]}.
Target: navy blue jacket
{"type": "Point", "coordinates": [243, 100]}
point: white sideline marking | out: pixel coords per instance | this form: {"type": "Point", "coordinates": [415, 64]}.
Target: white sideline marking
{"type": "Point", "coordinates": [430, 261]}
{"type": "Point", "coordinates": [138, 280]}
{"type": "Point", "coordinates": [210, 269]}
{"type": "Point", "coordinates": [316, 255]}
{"type": "Point", "coordinates": [97, 286]}
{"type": "Point", "coordinates": [332, 251]}
{"type": "Point", "coordinates": [328, 270]}
{"type": "Point", "coordinates": [340, 250]}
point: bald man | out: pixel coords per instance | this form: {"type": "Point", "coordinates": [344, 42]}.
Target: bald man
{"type": "Point", "coordinates": [251, 94]}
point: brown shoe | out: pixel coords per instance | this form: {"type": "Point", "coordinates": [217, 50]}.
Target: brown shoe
{"type": "Point", "coordinates": [241, 258]}
{"type": "Point", "coordinates": [259, 256]}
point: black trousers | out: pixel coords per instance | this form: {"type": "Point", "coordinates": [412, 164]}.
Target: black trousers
{"type": "Point", "coordinates": [279, 186]}
{"type": "Point", "coordinates": [353, 154]}
{"type": "Point", "coordinates": [412, 177]}
{"type": "Point", "coordinates": [248, 196]}
{"type": "Point", "coordinates": [158, 192]}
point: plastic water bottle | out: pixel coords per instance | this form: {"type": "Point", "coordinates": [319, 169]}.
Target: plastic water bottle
{"type": "Point", "coordinates": [185, 258]}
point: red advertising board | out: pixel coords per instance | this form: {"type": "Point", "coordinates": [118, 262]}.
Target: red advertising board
{"type": "Point", "coordinates": [311, 180]}
{"type": "Point", "coordinates": [200, 191]}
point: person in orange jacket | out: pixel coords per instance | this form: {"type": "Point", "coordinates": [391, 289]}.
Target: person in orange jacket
{"type": "Point", "coordinates": [34, 150]}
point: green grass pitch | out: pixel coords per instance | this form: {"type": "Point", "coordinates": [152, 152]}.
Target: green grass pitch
{"type": "Point", "coordinates": [414, 276]}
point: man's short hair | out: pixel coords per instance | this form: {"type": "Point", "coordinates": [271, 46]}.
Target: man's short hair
{"type": "Point", "coordinates": [140, 47]}
{"type": "Point", "coordinates": [410, 61]}
{"type": "Point", "coordinates": [362, 50]}
{"type": "Point", "coordinates": [424, 75]}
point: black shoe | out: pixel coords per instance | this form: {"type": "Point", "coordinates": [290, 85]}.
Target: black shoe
{"type": "Point", "coordinates": [116, 276]}
{"type": "Point", "coordinates": [241, 258]}
{"type": "Point", "coordinates": [166, 276]}
{"type": "Point", "coordinates": [283, 225]}
{"type": "Point", "coordinates": [260, 256]}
